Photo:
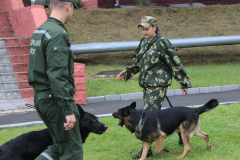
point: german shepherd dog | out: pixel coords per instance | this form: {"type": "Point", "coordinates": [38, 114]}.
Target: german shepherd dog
{"type": "Point", "coordinates": [29, 145]}
{"type": "Point", "coordinates": [157, 125]}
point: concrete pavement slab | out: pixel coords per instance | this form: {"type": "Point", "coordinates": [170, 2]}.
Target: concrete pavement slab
{"type": "Point", "coordinates": [112, 97]}
{"type": "Point", "coordinates": [210, 89]}
{"type": "Point", "coordinates": [20, 103]}
{"type": "Point", "coordinates": [6, 105]}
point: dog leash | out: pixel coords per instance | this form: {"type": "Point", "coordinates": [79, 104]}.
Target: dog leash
{"type": "Point", "coordinates": [29, 105]}
{"type": "Point", "coordinates": [169, 101]}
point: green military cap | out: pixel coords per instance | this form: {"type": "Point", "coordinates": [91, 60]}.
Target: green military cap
{"type": "Point", "coordinates": [148, 21]}
{"type": "Point", "coordinates": [74, 2]}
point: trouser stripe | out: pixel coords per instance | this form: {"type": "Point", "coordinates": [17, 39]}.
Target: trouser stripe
{"type": "Point", "coordinates": [46, 156]}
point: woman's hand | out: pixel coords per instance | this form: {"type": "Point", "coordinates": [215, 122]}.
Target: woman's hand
{"type": "Point", "coordinates": [121, 75]}
{"type": "Point", "coordinates": [184, 91]}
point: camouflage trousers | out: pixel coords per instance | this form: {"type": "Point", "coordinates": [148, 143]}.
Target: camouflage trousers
{"type": "Point", "coordinates": [153, 97]}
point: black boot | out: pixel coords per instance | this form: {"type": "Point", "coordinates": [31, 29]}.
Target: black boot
{"type": "Point", "coordinates": [140, 154]}
{"type": "Point", "coordinates": [180, 138]}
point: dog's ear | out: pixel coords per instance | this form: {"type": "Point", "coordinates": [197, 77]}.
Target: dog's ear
{"type": "Point", "coordinates": [80, 110]}
{"type": "Point", "coordinates": [126, 111]}
{"type": "Point", "coordinates": [133, 105]}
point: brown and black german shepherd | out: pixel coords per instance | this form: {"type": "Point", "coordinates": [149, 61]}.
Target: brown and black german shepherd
{"type": "Point", "coordinates": [157, 125]}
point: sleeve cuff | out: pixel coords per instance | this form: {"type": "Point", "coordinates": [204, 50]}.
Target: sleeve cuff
{"type": "Point", "coordinates": [127, 74]}
{"type": "Point", "coordinates": [185, 85]}
{"type": "Point", "coordinates": [67, 106]}
{"type": "Point", "coordinates": [68, 110]}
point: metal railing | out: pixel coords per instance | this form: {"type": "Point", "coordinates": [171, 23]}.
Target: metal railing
{"type": "Point", "coordinates": [132, 45]}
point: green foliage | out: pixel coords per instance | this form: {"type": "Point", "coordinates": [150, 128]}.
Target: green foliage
{"type": "Point", "coordinates": [27, 3]}
{"type": "Point", "coordinates": [78, 2]}
{"type": "Point", "coordinates": [191, 2]}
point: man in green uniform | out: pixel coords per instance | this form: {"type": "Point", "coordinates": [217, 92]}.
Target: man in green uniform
{"type": "Point", "coordinates": [51, 75]}
{"type": "Point", "coordinates": [156, 62]}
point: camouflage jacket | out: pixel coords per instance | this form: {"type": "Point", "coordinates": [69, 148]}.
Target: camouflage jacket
{"type": "Point", "coordinates": [158, 65]}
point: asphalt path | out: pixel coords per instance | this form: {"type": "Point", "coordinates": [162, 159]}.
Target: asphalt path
{"type": "Point", "coordinates": [109, 107]}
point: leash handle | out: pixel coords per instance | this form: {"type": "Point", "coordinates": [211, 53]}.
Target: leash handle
{"type": "Point", "coordinates": [29, 105]}
{"type": "Point", "coordinates": [169, 101]}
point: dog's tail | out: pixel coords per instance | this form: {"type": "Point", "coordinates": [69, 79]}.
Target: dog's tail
{"type": "Point", "coordinates": [207, 107]}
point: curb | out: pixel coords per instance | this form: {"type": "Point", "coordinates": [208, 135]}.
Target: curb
{"type": "Point", "coordinates": [174, 92]}
{"type": "Point", "coordinates": [34, 123]}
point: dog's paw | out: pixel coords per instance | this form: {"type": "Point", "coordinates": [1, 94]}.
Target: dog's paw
{"type": "Point", "coordinates": [165, 150]}
{"type": "Point", "coordinates": [162, 151]}
{"type": "Point", "coordinates": [210, 147]}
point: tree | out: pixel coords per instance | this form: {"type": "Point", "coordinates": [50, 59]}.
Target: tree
{"type": "Point", "coordinates": [191, 2]}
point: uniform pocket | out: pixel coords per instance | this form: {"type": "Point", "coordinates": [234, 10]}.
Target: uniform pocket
{"type": "Point", "coordinates": [61, 56]}
{"type": "Point", "coordinates": [47, 94]}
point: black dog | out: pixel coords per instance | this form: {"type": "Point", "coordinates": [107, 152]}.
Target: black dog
{"type": "Point", "coordinates": [157, 125]}
{"type": "Point", "coordinates": [29, 145]}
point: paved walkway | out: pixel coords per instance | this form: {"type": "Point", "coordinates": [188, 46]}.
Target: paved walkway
{"type": "Point", "coordinates": [15, 113]}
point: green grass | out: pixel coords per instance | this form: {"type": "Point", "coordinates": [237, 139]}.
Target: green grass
{"type": "Point", "coordinates": [201, 76]}
{"type": "Point", "coordinates": [222, 124]}
{"type": "Point", "coordinates": [206, 66]}
{"type": "Point", "coordinates": [106, 25]}
{"type": "Point", "coordinates": [112, 25]}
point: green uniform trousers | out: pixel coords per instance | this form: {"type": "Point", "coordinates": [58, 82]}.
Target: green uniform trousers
{"type": "Point", "coordinates": [67, 144]}
{"type": "Point", "coordinates": [153, 98]}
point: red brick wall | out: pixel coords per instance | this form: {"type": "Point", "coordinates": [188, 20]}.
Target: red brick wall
{"type": "Point", "coordinates": [127, 2]}
{"type": "Point", "coordinates": [111, 3]}
{"type": "Point", "coordinates": [80, 83]}
{"type": "Point", "coordinates": [167, 2]}
{"type": "Point", "coordinates": [24, 21]}
{"type": "Point", "coordinates": [206, 2]}
{"type": "Point", "coordinates": [105, 3]}
{"type": "Point", "coordinates": [212, 2]}
{"type": "Point", "coordinates": [90, 3]}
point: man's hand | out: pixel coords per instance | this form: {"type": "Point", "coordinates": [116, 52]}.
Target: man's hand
{"type": "Point", "coordinates": [121, 75]}
{"type": "Point", "coordinates": [70, 122]}
{"type": "Point", "coordinates": [184, 91]}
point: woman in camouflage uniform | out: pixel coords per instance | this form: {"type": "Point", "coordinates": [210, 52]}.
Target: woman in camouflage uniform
{"type": "Point", "coordinates": [156, 67]}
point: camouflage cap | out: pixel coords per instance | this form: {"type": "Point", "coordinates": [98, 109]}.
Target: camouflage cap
{"type": "Point", "coordinates": [148, 21]}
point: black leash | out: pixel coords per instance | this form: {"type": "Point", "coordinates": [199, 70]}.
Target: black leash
{"type": "Point", "coordinates": [169, 101]}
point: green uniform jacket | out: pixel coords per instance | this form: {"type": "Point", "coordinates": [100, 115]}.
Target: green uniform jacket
{"type": "Point", "coordinates": [51, 64]}
{"type": "Point", "coordinates": [157, 65]}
